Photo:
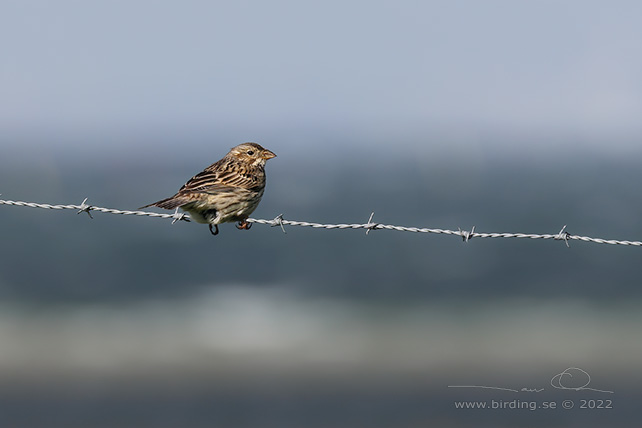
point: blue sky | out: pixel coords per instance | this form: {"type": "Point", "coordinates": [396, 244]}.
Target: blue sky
{"type": "Point", "coordinates": [566, 69]}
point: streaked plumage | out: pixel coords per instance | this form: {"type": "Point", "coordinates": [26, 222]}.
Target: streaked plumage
{"type": "Point", "coordinates": [226, 191]}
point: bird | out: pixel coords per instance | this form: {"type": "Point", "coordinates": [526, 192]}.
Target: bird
{"type": "Point", "coordinates": [229, 190]}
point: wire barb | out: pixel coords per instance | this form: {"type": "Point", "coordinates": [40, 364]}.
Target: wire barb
{"type": "Point", "coordinates": [179, 216]}
{"type": "Point", "coordinates": [84, 208]}
{"type": "Point", "coordinates": [370, 225]}
{"type": "Point", "coordinates": [466, 235]}
{"type": "Point", "coordinates": [563, 236]}
{"type": "Point", "coordinates": [278, 221]}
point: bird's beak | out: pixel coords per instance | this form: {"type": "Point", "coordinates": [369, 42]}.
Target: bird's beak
{"type": "Point", "coordinates": [267, 155]}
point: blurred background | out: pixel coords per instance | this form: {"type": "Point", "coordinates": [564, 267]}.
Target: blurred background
{"type": "Point", "coordinates": [507, 116]}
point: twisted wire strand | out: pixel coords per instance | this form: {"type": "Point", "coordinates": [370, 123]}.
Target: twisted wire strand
{"type": "Point", "coordinates": [83, 207]}
{"type": "Point", "coordinates": [562, 235]}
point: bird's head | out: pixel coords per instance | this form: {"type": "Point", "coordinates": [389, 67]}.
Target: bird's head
{"type": "Point", "coordinates": [251, 153]}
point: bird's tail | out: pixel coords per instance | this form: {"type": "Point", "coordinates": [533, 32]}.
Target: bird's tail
{"type": "Point", "coordinates": [169, 203]}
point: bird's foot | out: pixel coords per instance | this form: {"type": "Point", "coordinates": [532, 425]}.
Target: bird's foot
{"type": "Point", "coordinates": [214, 232]}
{"type": "Point", "coordinates": [244, 225]}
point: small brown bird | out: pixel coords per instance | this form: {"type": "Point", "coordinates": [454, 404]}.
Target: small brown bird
{"type": "Point", "coordinates": [226, 191]}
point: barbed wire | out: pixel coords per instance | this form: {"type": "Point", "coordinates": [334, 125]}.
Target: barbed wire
{"type": "Point", "coordinates": [466, 235]}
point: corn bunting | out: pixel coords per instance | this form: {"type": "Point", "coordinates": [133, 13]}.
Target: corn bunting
{"type": "Point", "coordinates": [226, 191]}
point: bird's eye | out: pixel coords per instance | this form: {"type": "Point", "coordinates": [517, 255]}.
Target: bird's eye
{"type": "Point", "coordinates": [250, 152]}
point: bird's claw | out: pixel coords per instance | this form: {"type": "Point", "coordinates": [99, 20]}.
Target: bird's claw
{"type": "Point", "coordinates": [244, 225]}
{"type": "Point", "coordinates": [212, 231]}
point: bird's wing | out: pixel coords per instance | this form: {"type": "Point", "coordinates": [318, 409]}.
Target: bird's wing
{"type": "Point", "coordinates": [219, 178]}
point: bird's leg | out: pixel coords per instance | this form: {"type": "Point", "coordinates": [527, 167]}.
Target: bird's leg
{"type": "Point", "coordinates": [244, 225]}
{"type": "Point", "coordinates": [213, 232]}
